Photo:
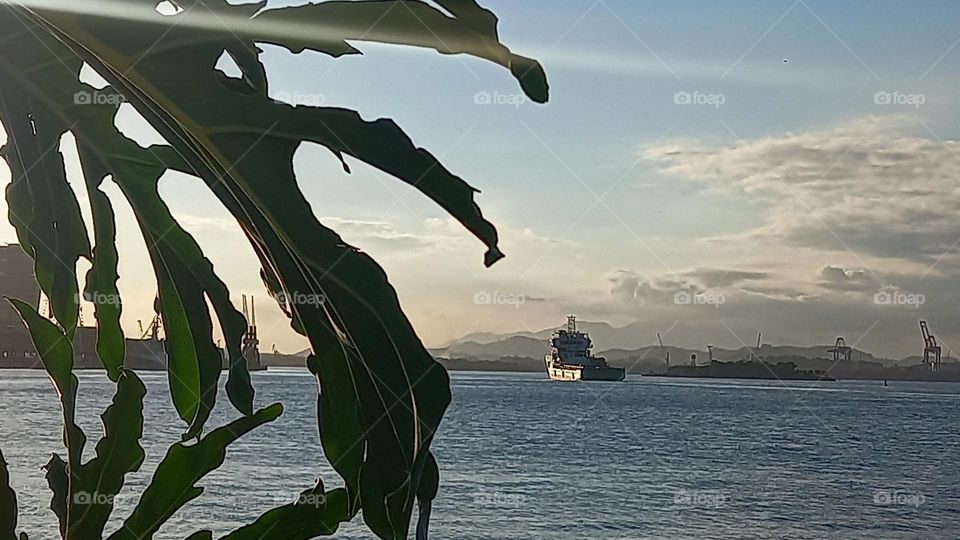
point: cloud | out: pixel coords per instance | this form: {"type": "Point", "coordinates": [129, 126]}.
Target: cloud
{"type": "Point", "coordinates": [207, 223]}
{"type": "Point", "coordinates": [866, 186]}
{"type": "Point", "coordinates": [841, 280]}
{"type": "Point", "coordinates": [719, 277]}
{"type": "Point", "coordinates": [380, 233]}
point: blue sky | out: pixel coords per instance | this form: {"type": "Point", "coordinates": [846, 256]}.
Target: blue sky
{"type": "Point", "coordinates": [613, 198]}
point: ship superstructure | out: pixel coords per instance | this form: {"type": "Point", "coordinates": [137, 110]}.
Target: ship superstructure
{"type": "Point", "coordinates": [571, 358]}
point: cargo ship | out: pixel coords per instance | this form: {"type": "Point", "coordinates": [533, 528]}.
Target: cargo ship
{"type": "Point", "coordinates": [747, 369]}
{"type": "Point", "coordinates": [571, 359]}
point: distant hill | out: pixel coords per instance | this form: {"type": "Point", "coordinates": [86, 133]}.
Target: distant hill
{"type": "Point", "coordinates": [519, 346]}
{"type": "Point", "coordinates": [627, 345]}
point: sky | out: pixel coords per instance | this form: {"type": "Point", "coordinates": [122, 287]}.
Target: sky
{"type": "Point", "coordinates": [709, 169]}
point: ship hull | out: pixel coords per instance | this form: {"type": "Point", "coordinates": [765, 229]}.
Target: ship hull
{"type": "Point", "coordinates": [580, 373]}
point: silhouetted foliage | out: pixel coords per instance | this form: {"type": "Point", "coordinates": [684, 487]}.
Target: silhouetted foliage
{"type": "Point", "coordinates": [381, 395]}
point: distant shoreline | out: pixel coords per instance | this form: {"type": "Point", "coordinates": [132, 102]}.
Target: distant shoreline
{"type": "Point", "coordinates": [914, 373]}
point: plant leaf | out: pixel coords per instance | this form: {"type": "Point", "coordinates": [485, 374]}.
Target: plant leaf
{"type": "Point", "coordinates": [407, 22]}
{"type": "Point", "coordinates": [392, 392]}
{"type": "Point", "coordinates": [315, 514]}
{"type": "Point", "coordinates": [42, 207]}
{"type": "Point", "coordinates": [56, 354]}
{"type": "Point", "coordinates": [101, 288]}
{"type": "Point", "coordinates": [338, 418]}
{"type": "Point", "coordinates": [429, 485]}
{"type": "Point", "coordinates": [118, 453]}
{"type": "Point", "coordinates": [8, 504]}
{"type": "Point", "coordinates": [58, 480]}
{"type": "Point", "coordinates": [174, 481]}
{"type": "Point", "coordinates": [105, 151]}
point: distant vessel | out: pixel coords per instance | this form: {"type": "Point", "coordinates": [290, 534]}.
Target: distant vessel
{"type": "Point", "coordinates": [747, 369]}
{"type": "Point", "coordinates": [570, 358]}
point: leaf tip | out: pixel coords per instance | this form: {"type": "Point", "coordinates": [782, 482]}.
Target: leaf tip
{"type": "Point", "coordinates": [532, 78]}
{"type": "Point", "coordinates": [492, 256]}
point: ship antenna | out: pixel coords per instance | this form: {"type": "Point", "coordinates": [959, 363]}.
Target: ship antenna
{"type": "Point", "coordinates": [571, 323]}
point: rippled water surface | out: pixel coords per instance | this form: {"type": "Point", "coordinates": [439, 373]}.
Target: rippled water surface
{"type": "Point", "coordinates": [526, 458]}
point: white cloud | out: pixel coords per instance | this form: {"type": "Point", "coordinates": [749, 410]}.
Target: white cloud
{"type": "Point", "coordinates": [869, 186]}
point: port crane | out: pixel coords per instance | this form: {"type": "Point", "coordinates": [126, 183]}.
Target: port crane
{"type": "Point", "coordinates": [930, 347]}
{"type": "Point", "coordinates": [153, 331]}
{"type": "Point", "coordinates": [841, 351]}
{"type": "Point", "coordinates": [755, 354]}
{"type": "Point", "coordinates": [251, 342]}
{"type": "Point", "coordinates": [710, 353]}
{"type": "Point", "coordinates": [666, 353]}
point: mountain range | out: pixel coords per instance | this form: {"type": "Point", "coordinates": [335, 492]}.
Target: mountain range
{"type": "Point", "coordinates": [625, 345]}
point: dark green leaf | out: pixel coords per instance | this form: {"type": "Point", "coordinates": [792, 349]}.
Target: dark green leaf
{"type": "Point", "coordinates": [42, 207]}
{"type": "Point", "coordinates": [174, 481]}
{"type": "Point", "coordinates": [406, 22]}
{"type": "Point", "coordinates": [58, 480]}
{"type": "Point", "coordinates": [118, 453]}
{"type": "Point", "coordinates": [102, 277]}
{"type": "Point", "coordinates": [315, 513]}
{"type": "Point", "coordinates": [429, 485]}
{"type": "Point", "coordinates": [8, 504]}
{"type": "Point", "coordinates": [382, 396]}
{"type": "Point", "coordinates": [56, 354]}
{"type": "Point", "coordinates": [105, 151]}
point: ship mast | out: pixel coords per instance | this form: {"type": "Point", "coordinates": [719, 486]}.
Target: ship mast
{"type": "Point", "coordinates": [571, 323]}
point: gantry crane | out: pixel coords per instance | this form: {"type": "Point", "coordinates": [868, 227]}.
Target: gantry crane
{"type": "Point", "coordinates": [666, 353]}
{"type": "Point", "coordinates": [930, 347]}
{"type": "Point", "coordinates": [841, 351]}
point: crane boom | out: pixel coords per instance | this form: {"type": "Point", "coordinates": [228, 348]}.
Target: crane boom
{"type": "Point", "coordinates": [931, 351]}
{"type": "Point", "coordinates": [666, 355]}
